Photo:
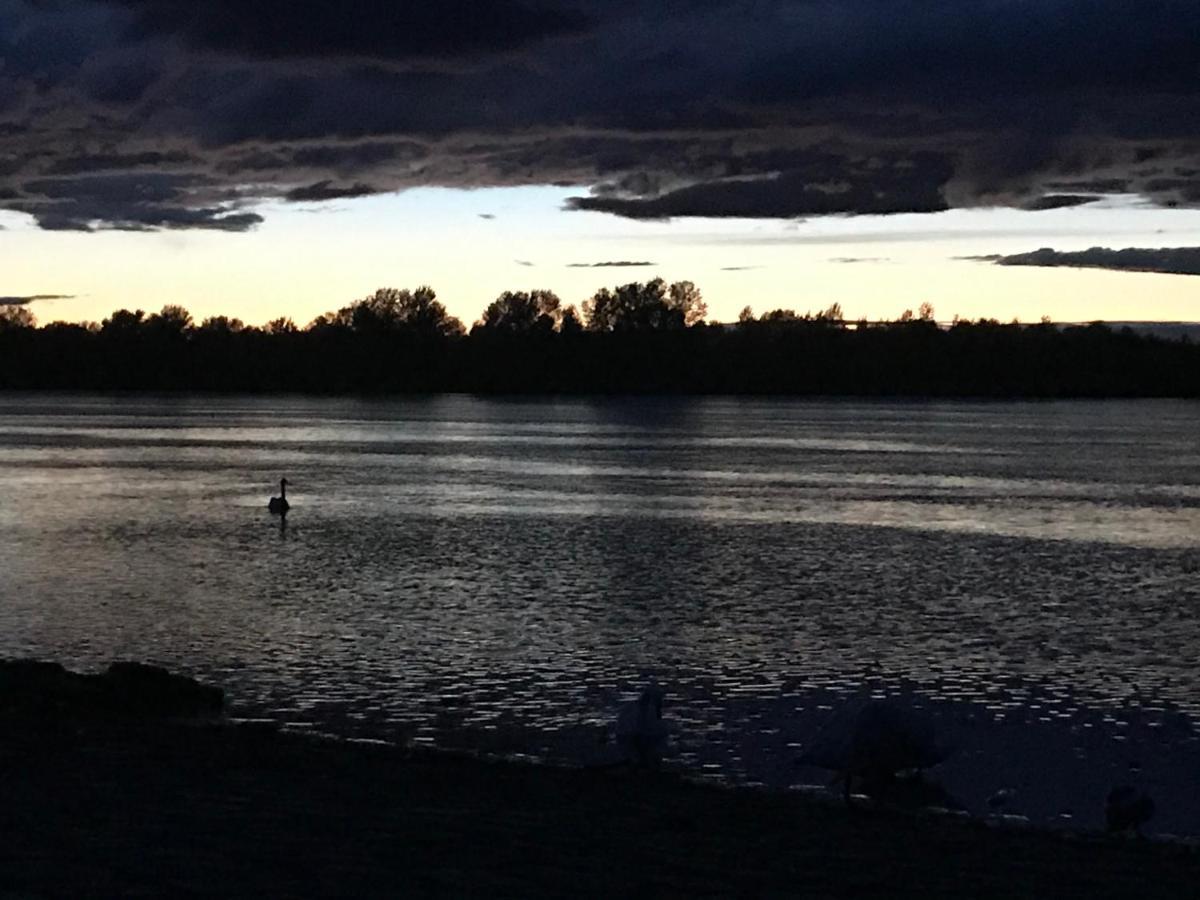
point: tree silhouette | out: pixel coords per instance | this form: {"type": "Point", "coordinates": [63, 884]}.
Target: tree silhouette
{"type": "Point", "coordinates": [570, 323]}
{"type": "Point", "coordinates": [122, 322]}
{"type": "Point", "coordinates": [393, 311]}
{"type": "Point", "coordinates": [422, 313]}
{"type": "Point", "coordinates": [172, 322]}
{"type": "Point", "coordinates": [780, 316]}
{"type": "Point", "coordinates": [14, 316]}
{"type": "Point", "coordinates": [645, 306]}
{"type": "Point", "coordinates": [831, 315]}
{"type": "Point", "coordinates": [221, 325]}
{"type": "Point", "coordinates": [685, 299]}
{"type": "Point", "coordinates": [280, 326]}
{"type": "Point", "coordinates": [638, 337]}
{"type": "Point", "coordinates": [522, 312]}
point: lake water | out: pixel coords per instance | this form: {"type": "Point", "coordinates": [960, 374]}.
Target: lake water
{"type": "Point", "coordinates": [500, 575]}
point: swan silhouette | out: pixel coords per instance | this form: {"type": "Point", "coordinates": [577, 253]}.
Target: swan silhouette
{"type": "Point", "coordinates": [1128, 809]}
{"type": "Point", "coordinates": [279, 504]}
{"type": "Point", "coordinates": [874, 741]}
{"type": "Point", "coordinates": [641, 732]}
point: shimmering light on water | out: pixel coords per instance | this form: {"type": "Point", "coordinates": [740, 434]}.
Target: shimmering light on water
{"type": "Point", "coordinates": [499, 575]}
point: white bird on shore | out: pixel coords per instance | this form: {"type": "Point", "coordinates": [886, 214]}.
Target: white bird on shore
{"type": "Point", "coordinates": [279, 505]}
{"type": "Point", "coordinates": [875, 741]}
{"type": "Point", "coordinates": [641, 732]}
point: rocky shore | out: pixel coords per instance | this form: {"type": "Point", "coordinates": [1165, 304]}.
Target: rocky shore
{"type": "Point", "coordinates": [129, 797]}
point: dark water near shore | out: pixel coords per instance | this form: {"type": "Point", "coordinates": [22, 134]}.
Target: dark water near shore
{"type": "Point", "coordinates": [500, 575]}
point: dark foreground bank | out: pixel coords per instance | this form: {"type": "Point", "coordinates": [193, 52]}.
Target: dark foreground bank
{"type": "Point", "coordinates": [139, 806]}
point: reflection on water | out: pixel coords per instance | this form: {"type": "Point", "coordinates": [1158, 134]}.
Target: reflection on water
{"type": "Point", "coordinates": [501, 574]}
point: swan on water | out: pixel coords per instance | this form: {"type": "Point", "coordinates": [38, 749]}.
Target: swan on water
{"type": "Point", "coordinates": [874, 742]}
{"type": "Point", "coordinates": [641, 733]}
{"type": "Point", "coordinates": [279, 504]}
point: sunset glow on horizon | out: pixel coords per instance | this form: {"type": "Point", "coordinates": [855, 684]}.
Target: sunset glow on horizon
{"type": "Point", "coordinates": [301, 262]}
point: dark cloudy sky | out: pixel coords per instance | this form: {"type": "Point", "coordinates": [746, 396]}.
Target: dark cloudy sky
{"type": "Point", "coordinates": [283, 156]}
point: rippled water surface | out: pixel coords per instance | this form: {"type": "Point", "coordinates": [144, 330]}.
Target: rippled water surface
{"type": "Point", "coordinates": [500, 575]}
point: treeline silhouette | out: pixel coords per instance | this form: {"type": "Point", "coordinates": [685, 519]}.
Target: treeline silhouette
{"type": "Point", "coordinates": [639, 337]}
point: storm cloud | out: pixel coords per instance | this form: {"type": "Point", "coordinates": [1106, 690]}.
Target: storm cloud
{"type": "Point", "coordinates": [327, 190]}
{"type": "Point", "coordinates": [1166, 260]}
{"type": "Point", "coordinates": [150, 114]}
{"type": "Point", "coordinates": [383, 30]}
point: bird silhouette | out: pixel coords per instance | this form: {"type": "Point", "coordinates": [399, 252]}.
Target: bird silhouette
{"type": "Point", "coordinates": [875, 741]}
{"type": "Point", "coordinates": [279, 505]}
{"type": "Point", "coordinates": [641, 732]}
{"type": "Point", "coordinates": [1128, 809]}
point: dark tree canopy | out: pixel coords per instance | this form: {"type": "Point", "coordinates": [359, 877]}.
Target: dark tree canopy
{"type": "Point", "coordinates": [13, 316]}
{"type": "Point", "coordinates": [638, 337]}
{"type": "Point", "coordinates": [522, 312]}
{"type": "Point", "coordinates": [172, 321]}
{"type": "Point", "coordinates": [123, 322]}
{"type": "Point", "coordinates": [684, 298]}
{"type": "Point", "coordinates": [648, 306]}
{"type": "Point", "coordinates": [280, 326]}
{"type": "Point", "coordinates": [221, 325]}
{"type": "Point", "coordinates": [391, 311]}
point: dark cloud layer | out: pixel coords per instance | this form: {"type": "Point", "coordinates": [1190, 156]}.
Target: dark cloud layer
{"type": "Point", "coordinates": [384, 30]}
{"type": "Point", "coordinates": [133, 202]}
{"type": "Point", "coordinates": [1166, 260]}
{"type": "Point", "coordinates": [147, 114]}
{"type": "Point", "coordinates": [327, 190]}
{"type": "Point", "coordinates": [904, 185]}
{"type": "Point", "coordinates": [614, 264]}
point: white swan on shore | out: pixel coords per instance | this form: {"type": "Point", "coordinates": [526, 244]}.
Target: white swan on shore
{"type": "Point", "coordinates": [279, 505]}
{"type": "Point", "coordinates": [641, 732]}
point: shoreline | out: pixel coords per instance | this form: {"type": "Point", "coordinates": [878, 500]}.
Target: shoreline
{"type": "Point", "coordinates": [650, 394]}
{"type": "Point", "coordinates": [106, 807]}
